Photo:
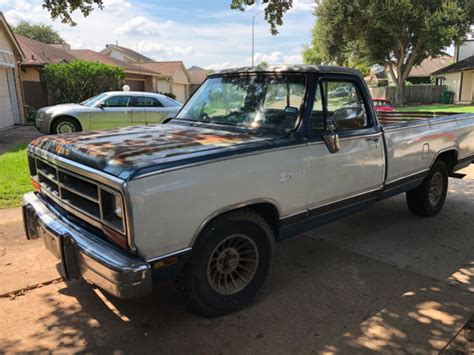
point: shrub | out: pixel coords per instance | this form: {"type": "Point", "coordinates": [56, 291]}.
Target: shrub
{"type": "Point", "coordinates": [80, 80]}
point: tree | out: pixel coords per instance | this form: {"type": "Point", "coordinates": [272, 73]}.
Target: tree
{"type": "Point", "coordinates": [41, 33]}
{"type": "Point", "coordinates": [398, 34]}
{"type": "Point", "coordinates": [80, 80]}
{"type": "Point", "coordinates": [62, 9]}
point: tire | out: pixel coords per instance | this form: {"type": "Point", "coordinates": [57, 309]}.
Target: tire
{"type": "Point", "coordinates": [212, 282]}
{"type": "Point", "coordinates": [63, 125]}
{"type": "Point", "coordinates": [428, 199]}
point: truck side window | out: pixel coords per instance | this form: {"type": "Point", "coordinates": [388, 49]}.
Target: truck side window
{"type": "Point", "coordinates": [344, 105]}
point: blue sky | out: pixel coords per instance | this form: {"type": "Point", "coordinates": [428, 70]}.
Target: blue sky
{"type": "Point", "coordinates": [205, 33]}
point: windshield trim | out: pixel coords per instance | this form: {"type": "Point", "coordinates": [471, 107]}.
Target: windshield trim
{"type": "Point", "coordinates": [298, 120]}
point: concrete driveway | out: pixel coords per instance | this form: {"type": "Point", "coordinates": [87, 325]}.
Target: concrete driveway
{"type": "Point", "coordinates": [380, 281]}
{"type": "Point", "coordinates": [13, 137]}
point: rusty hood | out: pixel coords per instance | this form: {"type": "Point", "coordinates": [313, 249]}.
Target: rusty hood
{"type": "Point", "coordinates": [128, 152]}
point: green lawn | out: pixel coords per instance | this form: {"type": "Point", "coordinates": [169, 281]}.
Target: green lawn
{"type": "Point", "coordinates": [440, 108]}
{"type": "Point", "coordinates": [14, 177]}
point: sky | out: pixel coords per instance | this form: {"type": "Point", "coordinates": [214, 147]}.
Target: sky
{"type": "Point", "coordinates": [205, 33]}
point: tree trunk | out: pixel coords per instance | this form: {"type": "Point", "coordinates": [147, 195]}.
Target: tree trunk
{"type": "Point", "coordinates": [400, 94]}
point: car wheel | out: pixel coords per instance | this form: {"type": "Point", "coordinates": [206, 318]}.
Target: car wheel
{"type": "Point", "coordinates": [65, 125]}
{"type": "Point", "coordinates": [230, 263]}
{"type": "Point", "coordinates": [428, 199]}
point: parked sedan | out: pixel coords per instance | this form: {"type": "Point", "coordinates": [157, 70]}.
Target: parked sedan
{"type": "Point", "coordinates": [107, 110]}
{"type": "Point", "coordinates": [383, 105]}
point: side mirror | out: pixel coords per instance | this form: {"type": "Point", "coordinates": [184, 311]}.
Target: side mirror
{"type": "Point", "coordinates": [102, 105]}
{"type": "Point", "coordinates": [332, 140]}
{"type": "Point", "coordinates": [350, 117]}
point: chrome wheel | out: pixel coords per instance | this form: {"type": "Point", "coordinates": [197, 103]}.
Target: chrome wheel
{"type": "Point", "coordinates": [65, 127]}
{"type": "Point", "coordinates": [232, 264]}
{"type": "Point", "coordinates": [436, 188]}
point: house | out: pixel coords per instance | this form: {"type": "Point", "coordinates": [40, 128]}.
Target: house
{"type": "Point", "coordinates": [38, 54]}
{"type": "Point", "coordinates": [459, 78]}
{"type": "Point", "coordinates": [124, 54]}
{"type": "Point", "coordinates": [174, 78]}
{"type": "Point", "coordinates": [137, 77]}
{"type": "Point", "coordinates": [422, 73]}
{"type": "Point", "coordinates": [11, 93]}
{"type": "Point", "coordinates": [198, 75]}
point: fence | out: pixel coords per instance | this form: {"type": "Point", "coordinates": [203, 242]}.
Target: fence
{"type": "Point", "coordinates": [414, 94]}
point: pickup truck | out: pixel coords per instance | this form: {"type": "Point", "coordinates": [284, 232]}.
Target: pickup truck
{"type": "Point", "coordinates": [255, 156]}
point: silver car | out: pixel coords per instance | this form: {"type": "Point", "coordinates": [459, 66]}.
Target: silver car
{"type": "Point", "coordinates": [108, 110]}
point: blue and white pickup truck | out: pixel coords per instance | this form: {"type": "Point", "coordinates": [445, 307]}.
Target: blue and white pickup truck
{"type": "Point", "coordinates": [255, 156]}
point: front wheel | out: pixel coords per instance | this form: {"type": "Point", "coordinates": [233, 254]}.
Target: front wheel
{"type": "Point", "coordinates": [428, 199]}
{"type": "Point", "coordinates": [229, 265]}
{"type": "Point", "coordinates": [65, 125]}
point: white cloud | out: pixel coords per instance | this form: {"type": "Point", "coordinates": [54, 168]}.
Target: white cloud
{"type": "Point", "coordinates": [141, 25]}
{"type": "Point", "coordinates": [155, 48]}
{"type": "Point", "coordinates": [220, 66]}
{"type": "Point", "coordinates": [117, 7]}
{"type": "Point", "coordinates": [276, 58]}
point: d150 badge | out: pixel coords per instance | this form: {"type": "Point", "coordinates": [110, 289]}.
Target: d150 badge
{"type": "Point", "coordinates": [286, 176]}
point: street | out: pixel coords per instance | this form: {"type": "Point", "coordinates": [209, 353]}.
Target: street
{"type": "Point", "coordinates": [383, 280]}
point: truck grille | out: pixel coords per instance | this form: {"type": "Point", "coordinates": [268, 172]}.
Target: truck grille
{"type": "Point", "coordinates": [85, 198]}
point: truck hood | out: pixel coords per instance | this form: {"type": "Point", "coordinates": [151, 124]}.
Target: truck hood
{"type": "Point", "coordinates": [132, 151]}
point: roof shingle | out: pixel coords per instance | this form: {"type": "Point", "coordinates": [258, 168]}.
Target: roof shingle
{"type": "Point", "coordinates": [462, 65]}
{"type": "Point", "coordinates": [38, 53]}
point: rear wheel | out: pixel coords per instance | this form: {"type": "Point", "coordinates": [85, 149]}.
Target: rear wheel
{"type": "Point", "coordinates": [428, 199]}
{"type": "Point", "coordinates": [63, 125]}
{"type": "Point", "coordinates": [230, 263]}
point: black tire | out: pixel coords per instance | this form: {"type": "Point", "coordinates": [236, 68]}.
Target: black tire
{"type": "Point", "coordinates": [196, 282]}
{"type": "Point", "coordinates": [63, 125]}
{"type": "Point", "coordinates": [424, 201]}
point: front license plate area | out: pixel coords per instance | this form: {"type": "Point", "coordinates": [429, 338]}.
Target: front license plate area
{"type": "Point", "coordinates": [51, 243]}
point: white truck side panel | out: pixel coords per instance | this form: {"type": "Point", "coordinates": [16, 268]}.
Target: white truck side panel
{"type": "Point", "coordinates": [169, 208]}
{"type": "Point", "coordinates": [412, 149]}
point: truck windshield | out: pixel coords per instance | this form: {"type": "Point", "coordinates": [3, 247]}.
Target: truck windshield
{"type": "Point", "coordinates": [268, 102]}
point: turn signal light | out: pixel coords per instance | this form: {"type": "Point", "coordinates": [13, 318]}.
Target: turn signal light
{"type": "Point", "coordinates": [36, 185]}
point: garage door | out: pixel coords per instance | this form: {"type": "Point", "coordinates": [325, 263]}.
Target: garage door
{"type": "Point", "coordinates": [180, 91]}
{"type": "Point", "coordinates": [6, 112]}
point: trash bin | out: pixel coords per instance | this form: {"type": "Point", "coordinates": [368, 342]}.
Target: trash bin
{"type": "Point", "coordinates": [447, 97]}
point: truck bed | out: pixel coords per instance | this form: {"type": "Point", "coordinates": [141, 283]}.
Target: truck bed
{"type": "Point", "coordinates": [414, 139]}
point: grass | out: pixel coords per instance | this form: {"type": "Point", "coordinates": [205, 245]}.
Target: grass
{"type": "Point", "coordinates": [440, 108]}
{"type": "Point", "coordinates": [14, 177]}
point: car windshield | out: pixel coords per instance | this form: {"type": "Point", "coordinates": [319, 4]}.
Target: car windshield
{"type": "Point", "coordinates": [93, 100]}
{"type": "Point", "coordinates": [268, 102]}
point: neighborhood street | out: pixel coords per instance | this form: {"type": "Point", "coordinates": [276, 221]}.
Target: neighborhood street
{"type": "Point", "coordinates": [380, 281]}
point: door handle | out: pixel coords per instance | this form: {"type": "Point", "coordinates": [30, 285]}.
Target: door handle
{"type": "Point", "coordinates": [372, 139]}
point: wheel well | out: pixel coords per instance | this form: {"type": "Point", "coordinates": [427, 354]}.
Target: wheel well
{"type": "Point", "coordinates": [450, 157]}
{"type": "Point", "coordinates": [64, 116]}
{"type": "Point", "coordinates": [265, 209]}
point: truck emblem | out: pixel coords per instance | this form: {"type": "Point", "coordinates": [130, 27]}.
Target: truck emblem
{"type": "Point", "coordinates": [286, 176]}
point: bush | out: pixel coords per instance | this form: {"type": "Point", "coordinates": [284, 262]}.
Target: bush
{"type": "Point", "coordinates": [80, 80]}
{"type": "Point", "coordinates": [169, 94]}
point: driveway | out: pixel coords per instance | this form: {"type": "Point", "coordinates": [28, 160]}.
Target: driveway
{"type": "Point", "coordinates": [380, 281]}
{"type": "Point", "coordinates": [13, 137]}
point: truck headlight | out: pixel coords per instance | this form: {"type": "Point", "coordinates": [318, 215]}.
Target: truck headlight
{"type": "Point", "coordinates": [112, 209]}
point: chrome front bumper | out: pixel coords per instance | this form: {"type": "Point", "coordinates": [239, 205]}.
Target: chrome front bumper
{"type": "Point", "coordinates": [83, 254]}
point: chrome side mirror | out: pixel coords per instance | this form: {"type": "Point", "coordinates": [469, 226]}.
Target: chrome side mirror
{"type": "Point", "coordinates": [332, 140]}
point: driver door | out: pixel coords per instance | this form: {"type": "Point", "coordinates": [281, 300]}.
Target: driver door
{"type": "Point", "coordinates": [355, 172]}
{"type": "Point", "coordinates": [113, 112]}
